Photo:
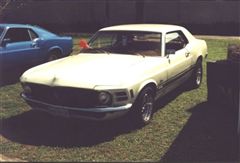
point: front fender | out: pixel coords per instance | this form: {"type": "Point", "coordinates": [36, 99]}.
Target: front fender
{"type": "Point", "coordinates": [146, 82]}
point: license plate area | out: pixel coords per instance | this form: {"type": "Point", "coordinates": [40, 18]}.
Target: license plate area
{"type": "Point", "coordinates": [59, 112]}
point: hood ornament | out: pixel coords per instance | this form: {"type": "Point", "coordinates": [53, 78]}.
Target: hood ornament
{"type": "Point", "coordinates": [53, 81]}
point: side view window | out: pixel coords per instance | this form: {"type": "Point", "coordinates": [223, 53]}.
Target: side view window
{"type": "Point", "coordinates": [175, 41]}
{"type": "Point", "coordinates": [17, 35]}
{"type": "Point", "coordinates": [32, 34]}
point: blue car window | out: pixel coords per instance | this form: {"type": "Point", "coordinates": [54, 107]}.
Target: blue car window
{"type": "Point", "coordinates": [32, 34]}
{"type": "Point", "coordinates": [1, 30]}
{"type": "Point", "coordinates": [17, 35]}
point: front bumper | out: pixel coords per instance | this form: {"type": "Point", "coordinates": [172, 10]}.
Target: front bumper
{"type": "Point", "coordinates": [102, 113]}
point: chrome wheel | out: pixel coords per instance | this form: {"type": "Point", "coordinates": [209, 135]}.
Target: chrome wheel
{"type": "Point", "coordinates": [147, 107]}
{"type": "Point", "coordinates": [199, 75]}
{"type": "Point", "coordinates": [196, 78]}
{"type": "Point", "coordinates": [143, 108]}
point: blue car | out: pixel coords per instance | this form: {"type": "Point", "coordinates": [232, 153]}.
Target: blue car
{"type": "Point", "coordinates": [26, 46]}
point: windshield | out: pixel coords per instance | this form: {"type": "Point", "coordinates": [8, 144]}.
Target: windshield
{"type": "Point", "coordinates": [126, 42]}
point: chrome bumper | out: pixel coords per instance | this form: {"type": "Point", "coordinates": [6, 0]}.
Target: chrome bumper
{"type": "Point", "coordinates": [84, 113]}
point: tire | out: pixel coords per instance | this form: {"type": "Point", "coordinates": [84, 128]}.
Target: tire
{"type": "Point", "coordinates": [196, 78]}
{"type": "Point", "coordinates": [53, 56]}
{"type": "Point", "coordinates": [142, 111]}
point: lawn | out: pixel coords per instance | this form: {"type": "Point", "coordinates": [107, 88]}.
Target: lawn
{"type": "Point", "coordinates": [182, 129]}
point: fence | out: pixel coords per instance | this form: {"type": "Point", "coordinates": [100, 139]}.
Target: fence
{"type": "Point", "coordinates": [201, 17]}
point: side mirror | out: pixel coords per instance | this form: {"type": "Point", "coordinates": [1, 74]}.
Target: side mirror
{"type": "Point", "coordinates": [83, 44]}
{"type": "Point", "coordinates": [5, 41]}
{"type": "Point", "coordinates": [170, 51]}
{"type": "Point", "coordinates": [36, 42]}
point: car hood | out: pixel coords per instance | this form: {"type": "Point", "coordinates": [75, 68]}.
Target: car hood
{"type": "Point", "coordinates": [86, 70]}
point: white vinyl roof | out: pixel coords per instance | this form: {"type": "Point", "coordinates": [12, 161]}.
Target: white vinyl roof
{"type": "Point", "coordinates": [163, 28]}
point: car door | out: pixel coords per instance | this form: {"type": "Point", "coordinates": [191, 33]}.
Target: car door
{"type": "Point", "coordinates": [20, 48]}
{"type": "Point", "coordinates": [178, 55]}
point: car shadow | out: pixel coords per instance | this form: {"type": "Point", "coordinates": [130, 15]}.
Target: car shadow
{"type": "Point", "coordinates": [10, 77]}
{"type": "Point", "coordinates": [39, 128]}
{"type": "Point", "coordinates": [209, 135]}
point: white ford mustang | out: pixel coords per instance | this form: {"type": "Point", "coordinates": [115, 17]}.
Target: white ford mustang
{"type": "Point", "coordinates": [122, 69]}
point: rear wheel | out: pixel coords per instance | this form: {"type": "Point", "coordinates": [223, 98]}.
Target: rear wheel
{"type": "Point", "coordinates": [196, 78]}
{"type": "Point", "coordinates": [53, 56]}
{"type": "Point", "coordinates": [143, 107]}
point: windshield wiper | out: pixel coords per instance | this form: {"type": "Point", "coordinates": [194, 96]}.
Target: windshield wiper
{"type": "Point", "coordinates": [96, 50]}
{"type": "Point", "coordinates": [140, 54]}
{"type": "Point", "coordinates": [136, 53]}
{"type": "Point", "coordinates": [102, 51]}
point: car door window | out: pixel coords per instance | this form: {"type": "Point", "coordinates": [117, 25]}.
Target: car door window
{"type": "Point", "coordinates": [32, 34]}
{"type": "Point", "coordinates": [1, 31]}
{"type": "Point", "coordinates": [17, 35]}
{"type": "Point", "coordinates": [175, 41]}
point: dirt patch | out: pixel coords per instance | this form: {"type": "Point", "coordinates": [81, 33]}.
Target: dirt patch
{"type": "Point", "coordinates": [7, 159]}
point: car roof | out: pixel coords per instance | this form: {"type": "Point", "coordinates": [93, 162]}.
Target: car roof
{"type": "Point", "coordinates": [44, 33]}
{"type": "Point", "coordinates": [163, 28]}
{"type": "Point", "coordinates": [16, 25]}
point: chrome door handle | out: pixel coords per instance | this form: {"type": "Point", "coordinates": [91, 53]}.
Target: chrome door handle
{"type": "Point", "coordinates": [187, 54]}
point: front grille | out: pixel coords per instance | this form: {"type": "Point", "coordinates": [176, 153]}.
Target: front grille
{"type": "Point", "coordinates": [65, 96]}
{"type": "Point", "coordinates": [121, 96]}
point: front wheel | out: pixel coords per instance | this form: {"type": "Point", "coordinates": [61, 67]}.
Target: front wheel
{"type": "Point", "coordinates": [143, 107]}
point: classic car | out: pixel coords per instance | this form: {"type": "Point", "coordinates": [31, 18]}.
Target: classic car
{"type": "Point", "coordinates": [27, 46]}
{"type": "Point", "coordinates": [121, 70]}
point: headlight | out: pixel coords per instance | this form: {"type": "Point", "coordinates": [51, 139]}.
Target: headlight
{"type": "Point", "coordinates": [27, 89]}
{"type": "Point", "coordinates": [104, 98]}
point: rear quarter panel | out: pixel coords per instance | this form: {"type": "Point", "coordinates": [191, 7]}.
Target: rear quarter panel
{"type": "Point", "coordinates": [201, 47]}
{"type": "Point", "coordinates": [198, 48]}
{"type": "Point", "coordinates": [64, 44]}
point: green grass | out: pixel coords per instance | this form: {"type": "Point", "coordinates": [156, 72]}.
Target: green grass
{"type": "Point", "coordinates": [35, 136]}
